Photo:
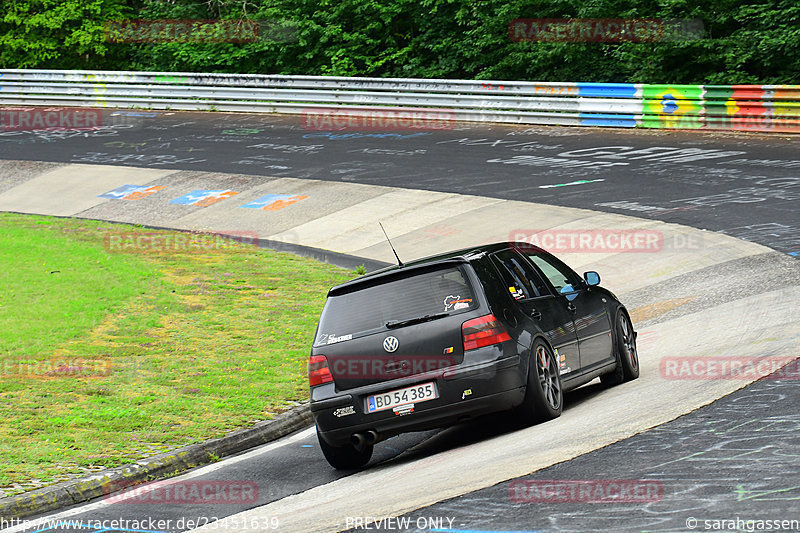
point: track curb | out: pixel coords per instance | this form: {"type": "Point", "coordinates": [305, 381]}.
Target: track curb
{"type": "Point", "coordinates": [67, 493]}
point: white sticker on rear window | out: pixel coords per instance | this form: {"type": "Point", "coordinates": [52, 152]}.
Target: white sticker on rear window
{"type": "Point", "coordinates": [449, 301]}
{"type": "Point", "coordinates": [333, 338]}
{"type": "Point", "coordinates": [456, 302]}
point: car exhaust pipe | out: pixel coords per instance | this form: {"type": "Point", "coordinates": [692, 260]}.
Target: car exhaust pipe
{"type": "Point", "coordinates": [371, 436]}
{"type": "Point", "coordinates": [359, 441]}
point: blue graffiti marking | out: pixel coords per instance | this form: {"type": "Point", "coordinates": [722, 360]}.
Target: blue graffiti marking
{"type": "Point", "coordinates": [668, 104]}
{"type": "Point", "coordinates": [274, 202]}
{"type": "Point", "coordinates": [600, 119]}
{"type": "Point", "coordinates": [607, 90]}
{"type": "Point", "coordinates": [203, 197]}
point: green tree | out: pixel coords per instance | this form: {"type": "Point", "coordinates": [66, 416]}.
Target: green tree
{"type": "Point", "coordinates": [744, 41]}
{"type": "Point", "coordinates": [66, 34]}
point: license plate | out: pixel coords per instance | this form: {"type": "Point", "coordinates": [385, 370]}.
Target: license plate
{"type": "Point", "coordinates": [399, 397]}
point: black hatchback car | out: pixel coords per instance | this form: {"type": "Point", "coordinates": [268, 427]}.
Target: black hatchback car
{"type": "Point", "coordinates": [447, 338]}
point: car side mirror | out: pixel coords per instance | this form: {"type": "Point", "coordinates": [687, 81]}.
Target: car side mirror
{"type": "Point", "coordinates": [591, 278]}
{"type": "Point", "coordinates": [569, 292]}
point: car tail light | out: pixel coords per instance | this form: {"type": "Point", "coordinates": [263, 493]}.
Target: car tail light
{"type": "Point", "coordinates": [483, 331]}
{"type": "Point", "coordinates": [318, 371]}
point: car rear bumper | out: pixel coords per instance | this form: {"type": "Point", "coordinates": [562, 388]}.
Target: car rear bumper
{"type": "Point", "coordinates": [464, 393]}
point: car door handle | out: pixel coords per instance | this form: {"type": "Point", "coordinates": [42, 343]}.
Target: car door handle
{"type": "Point", "coordinates": [536, 314]}
{"type": "Point", "coordinates": [571, 307]}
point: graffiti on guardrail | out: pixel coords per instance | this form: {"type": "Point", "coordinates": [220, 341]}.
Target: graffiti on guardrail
{"type": "Point", "coordinates": [769, 108]}
{"type": "Point", "coordinates": [673, 103]}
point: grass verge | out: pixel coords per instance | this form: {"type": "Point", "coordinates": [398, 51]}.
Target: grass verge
{"type": "Point", "coordinates": [113, 350]}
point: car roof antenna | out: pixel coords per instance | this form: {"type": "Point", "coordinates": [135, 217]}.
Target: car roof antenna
{"type": "Point", "coordinates": [399, 263]}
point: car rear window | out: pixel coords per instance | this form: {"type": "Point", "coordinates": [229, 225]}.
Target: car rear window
{"type": "Point", "coordinates": [362, 311]}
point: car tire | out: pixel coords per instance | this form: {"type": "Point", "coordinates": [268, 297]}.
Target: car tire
{"type": "Point", "coordinates": [627, 367]}
{"type": "Point", "coordinates": [544, 396]}
{"type": "Point", "coordinates": [344, 457]}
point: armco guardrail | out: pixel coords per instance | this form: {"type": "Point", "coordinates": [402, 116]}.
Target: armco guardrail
{"type": "Point", "coordinates": [715, 107]}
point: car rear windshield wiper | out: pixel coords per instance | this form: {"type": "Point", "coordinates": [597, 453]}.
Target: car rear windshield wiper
{"type": "Point", "coordinates": [418, 320]}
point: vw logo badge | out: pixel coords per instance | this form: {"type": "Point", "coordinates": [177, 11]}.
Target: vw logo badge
{"type": "Point", "coordinates": [390, 344]}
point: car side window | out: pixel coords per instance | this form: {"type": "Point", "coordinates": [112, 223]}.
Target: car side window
{"type": "Point", "coordinates": [521, 280]}
{"type": "Point", "coordinates": [555, 271]}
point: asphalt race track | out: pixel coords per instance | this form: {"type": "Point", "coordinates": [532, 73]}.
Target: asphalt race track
{"type": "Point", "coordinates": [745, 185]}
{"type": "Point", "coordinates": [733, 459]}
{"type": "Point", "coordinates": [710, 460]}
